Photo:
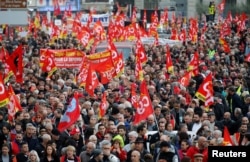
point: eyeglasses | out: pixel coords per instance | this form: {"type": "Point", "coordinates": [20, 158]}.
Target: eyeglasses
{"type": "Point", "coordinates": [106, 148]}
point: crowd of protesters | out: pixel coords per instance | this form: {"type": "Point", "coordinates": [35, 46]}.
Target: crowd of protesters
{"type": "Point", "coordinates": [33, 135]}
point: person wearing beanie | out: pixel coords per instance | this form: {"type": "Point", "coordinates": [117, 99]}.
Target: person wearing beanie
{"type": "Point", "coordinates": [97, 156]}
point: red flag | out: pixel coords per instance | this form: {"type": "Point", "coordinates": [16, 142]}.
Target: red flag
{"type": "Point", "coordinates": [140, 51]}
{"type": "Point", "coordinates": [82, 76]}
{"type": "Point", "coordinates": [193, 64]}
{"type": "Point", "coordinates": [205, 91]}
{"type": "Point", "coordinates": [144, 106]}
{"type": "Point", "coordinates": [103, 105]}
{"type": "Point", "coordinates": [138, 70]}
{"type": "Point", "coordinates": [169, 63]}
{"type": "Point", "coordinates": [177, 90]}
{"type": "Point", "coordinates": [247, 59]}
{"type": "Point", "coordinates": [184, 81]}
{"type": "Point", "coordinates": [7, 64]}
{"type": "Point", "coordinates": [71, 115]}
{"type": "Point", "coordinates": [14, 104]}
{"type": "Point", "coordinates": [57, 9]}
{"type": "Point", "coordinates": [134, 99]}
{"type": "Point", "coordinates": [49, 64]}
{"type": "Point", "coordinates": [91, 81]}
{"type": "Point", "coordinates": [4, 97]}
{"type": "Point", "coordinates": [182, 36]}
{"type": "Point", "coordinates": [226, 135]}
{"type": "Point", "coordinates": [221, 6]}
{"type": "Point", "coordinates": [15, 62]}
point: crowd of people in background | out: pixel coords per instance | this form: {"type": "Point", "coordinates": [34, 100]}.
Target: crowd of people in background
{"type": "Point", "coordinates": [33, 135]}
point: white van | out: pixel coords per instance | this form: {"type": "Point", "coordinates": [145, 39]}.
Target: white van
{"type": "Point", "coordinates": [126, 48]}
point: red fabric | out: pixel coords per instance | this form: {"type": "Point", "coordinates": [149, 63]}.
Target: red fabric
{"type": "Point", "coordinates": [14, 148]}
{"type": "Point", "coordinates": [71, 115]}
{"type": "Point", "coordinates": [100, 136]}
{"type": "Point", "coordinates": [122, 156]}
{"type": "Point", "coordinates": [193, 150]}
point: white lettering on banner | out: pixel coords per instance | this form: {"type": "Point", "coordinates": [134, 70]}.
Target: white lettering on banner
{"type": "Point", "coordinates": [11, 108]}
{"type": "Point", "coordinates": [1, 88]}
{"type": "Point", "coordinates": [131, 30]}
{"type": "Point", "coordinates": [181, 37]}
{"type": "Point", "coordinates": [68, 62]}
{"type": "Point", "coordinates": [94, 77]}
{"type": "Point", "coordinates": [183, 80]}
{"type": "Point", "coordinates": [108, 74]}
{"type": "Point", "coordinates": [85, 39]}
{"type": "Point", "coordinates": [119, 66]}
{"type": "Point", "coordinates": [209, 97]}
{"type": "Point", "coordinates": [50, 64]}
{"type": "Point", "coordinates": [103, 106]}
{"type": "Point", "coordinates": [103, 18]}
{"type": "Point", "coordinates": [42, 57]}
{"type": "Point", "coordinates": [144, 103]}
{"type": "Point", "coordinates": [133, 99]}
{"type": "Point", "coordinates": [114, 54]}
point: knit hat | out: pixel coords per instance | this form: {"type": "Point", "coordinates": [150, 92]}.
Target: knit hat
{"type": "Point", "coordinates": [96, 153]}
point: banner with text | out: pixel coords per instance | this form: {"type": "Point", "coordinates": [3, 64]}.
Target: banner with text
{"type": "Point", "coordinates": [104, 18]}
{"type": "Point", "coordinates": [68, 58]}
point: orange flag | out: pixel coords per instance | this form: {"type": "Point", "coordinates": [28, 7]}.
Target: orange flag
{"type": "Point", "coordinates": [227, 138]}
{"type": "Point", "coordinates": [225, 45]}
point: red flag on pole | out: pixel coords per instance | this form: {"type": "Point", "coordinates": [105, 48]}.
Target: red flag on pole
{"type": "Point", "coordinates": [145, 106]}
{"type": "Point", "coordinates": [71, 115]}
{"type": "Point", "coordinates": [227, 139]}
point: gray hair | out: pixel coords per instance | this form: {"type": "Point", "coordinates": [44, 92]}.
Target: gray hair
{"type": "Point", "coordinates": [218, 132]}
{"type": "Point", "coordinates": [46, 137]}
{"type": "Point", "coordinates": [133, 133]}
{"type": "Point", "coordinates": [105, 143]}
{"type": "Point", "coordinates": [92, 137]}
{"type": "Point", "coordinates": [35, 153]}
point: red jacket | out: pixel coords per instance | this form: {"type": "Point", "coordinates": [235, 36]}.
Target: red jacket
{"type": "Point", "coordinates": [194, 150]}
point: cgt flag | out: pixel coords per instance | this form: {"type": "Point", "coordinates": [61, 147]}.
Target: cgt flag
{"type": "Point", "coordinates": [4, 97]}
{"type": "Point", "coordinates": [71, 115]}
{"type": "Point", "coordinates": [144, 108]}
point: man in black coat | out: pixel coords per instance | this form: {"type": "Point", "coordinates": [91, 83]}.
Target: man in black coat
{"type": "Point", "coordinates": [23, 155]}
